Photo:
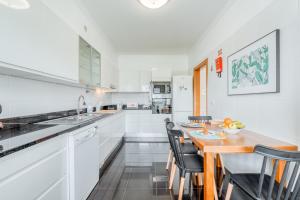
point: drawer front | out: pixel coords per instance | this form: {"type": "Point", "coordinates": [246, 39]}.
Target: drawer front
{"type": "Point", "coordinates": [32, 181]}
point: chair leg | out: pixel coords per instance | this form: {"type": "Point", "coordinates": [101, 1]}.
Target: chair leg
{"type": "Point", "coordinates": [181, 188]}
{"type": "Point", "coordinates": [169, 159]}
{"type": "Point", "coordinates": [200, 179]}
{"type": "Point", "coordinates": [216, 192]}
{"type": "Point", "coordinates": [172, 174]}
{"type": "Point", "coordinates": [229, 191]}
{"type": "Point", "coordinates": [221, 188]}
{"type": "Point", "coordinates": [191, 185]}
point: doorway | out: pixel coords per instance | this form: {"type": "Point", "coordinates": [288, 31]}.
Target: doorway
{"type": "Point", "coordinates": [200, 88]}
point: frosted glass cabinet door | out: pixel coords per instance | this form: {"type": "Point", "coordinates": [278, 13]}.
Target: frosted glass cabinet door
{"type": "Point", "coordinates": [89, 64]}
{"type": "Point", "coordinates": [84, 62]}
{"type": "Point", "coordinates": [96, 67]}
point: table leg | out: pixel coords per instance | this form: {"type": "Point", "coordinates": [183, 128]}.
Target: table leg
{"type": "Point", "coordinates": [209, 176]}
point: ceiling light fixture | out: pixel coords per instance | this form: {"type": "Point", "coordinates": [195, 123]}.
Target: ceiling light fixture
{"type": "Point", "coordinates": [16, 4]}
{"type": "Point", "coordinates": [153, 4]}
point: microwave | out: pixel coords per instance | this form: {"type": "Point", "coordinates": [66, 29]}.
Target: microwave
{"type": "Point", "coordinates": [161, 87]}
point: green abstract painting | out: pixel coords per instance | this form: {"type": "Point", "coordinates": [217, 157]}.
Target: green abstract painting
{"type": "Point", "coordinates": [254, 69]}
{"type": "Point", "coordinates": [251, 69]}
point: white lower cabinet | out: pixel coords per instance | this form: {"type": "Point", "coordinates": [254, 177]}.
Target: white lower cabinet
{"type": "Point", "coordinates": [44, 171]}
{"type": "Point", "coordinates": [38, 172]}
{"type": "Point", "coordinates": [142, 123]}
{"type": "Point", "coordinates": [111, 131]}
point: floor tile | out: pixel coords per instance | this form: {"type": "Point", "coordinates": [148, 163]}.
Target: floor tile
{"type": "Point", "coordinates": [148, 194]}
{"type": "Point", "coordinates": [138, 172]}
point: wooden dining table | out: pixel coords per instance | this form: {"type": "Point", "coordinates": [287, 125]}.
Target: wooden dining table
{"type": "Point", "coordinates": [242, 142]}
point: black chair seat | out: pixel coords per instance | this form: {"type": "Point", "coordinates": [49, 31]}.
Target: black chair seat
{"type": "Point", "coordinates": [249, 183]}
{"type": "Point", "coordinates": [193, 163]}
{"type": "Point", "coordinates": [188, 148]}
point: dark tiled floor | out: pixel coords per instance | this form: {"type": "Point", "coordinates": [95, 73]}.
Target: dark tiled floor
{"type": "Point", "coordinates": [138, 173]}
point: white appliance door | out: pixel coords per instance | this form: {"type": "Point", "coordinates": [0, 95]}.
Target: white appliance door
{"type": "Point", "coordinates": [86, 161]}
{"type": "Point", "coordinates": [182, 93]}
{"type": "Point", "coordinates": [181, 116]}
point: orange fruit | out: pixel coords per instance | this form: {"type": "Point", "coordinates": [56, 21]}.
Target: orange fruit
{"type": "Point", "coordinates": [227, 121]}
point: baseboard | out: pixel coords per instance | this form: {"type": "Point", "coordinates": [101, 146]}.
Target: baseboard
{"type": "Point", "coordinates": [111, 157]}
{"type": "Point", "coordinates": [146, 139]}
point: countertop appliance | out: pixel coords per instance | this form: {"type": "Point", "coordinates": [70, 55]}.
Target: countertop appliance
{"type": "Point", "coordinates": [84, 170]}
{"type": "Point", "coordinates": [182, 98]}
{"type": "Point", "coordinates": [161, 94]}
{"type": "Point", "coordinates": [161, 90]}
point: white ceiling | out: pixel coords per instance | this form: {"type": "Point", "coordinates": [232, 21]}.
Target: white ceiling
{"type": "Point", "coordinates": [133, 28]}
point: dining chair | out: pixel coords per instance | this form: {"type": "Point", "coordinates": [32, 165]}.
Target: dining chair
{"type": "Point", "coordinates": [167, 120]}
{"type": "Point", "coordinates": [200, 118]}
{"type": "Point", "coordinates": [188, 148]}
{"type": "Point", "coordinates": [265, 187]}
{"type": "Point", "coordinates": [186, 163]}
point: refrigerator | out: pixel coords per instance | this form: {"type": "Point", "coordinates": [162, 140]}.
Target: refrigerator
{"type": "Point", "coordinates": [182, 98]}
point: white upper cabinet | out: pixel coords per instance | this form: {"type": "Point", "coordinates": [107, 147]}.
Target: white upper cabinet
{"type": "Point", "coordinates": [109, 74]}
{"type": "Point", "coordinates": [145, 80]}
{"type": "Point", "coordinates": [162, 74]}
{"type": "Point", "coordinates": [37, 41]}
{"type": "Point", "coordinates": [89, 64]}
{"type": "Point", "coordinates": [131, 80]}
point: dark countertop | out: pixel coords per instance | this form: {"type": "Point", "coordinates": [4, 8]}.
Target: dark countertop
{"type": "Point", "coordinates": [15, 128]}
{"type": "Point", "coordinates": [140, 107]}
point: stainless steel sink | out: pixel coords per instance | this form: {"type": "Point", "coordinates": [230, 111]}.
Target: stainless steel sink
{"type": "Point", "coordinates": [73, 120]}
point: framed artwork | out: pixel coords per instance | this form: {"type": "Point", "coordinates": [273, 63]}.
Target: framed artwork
{"type": "Point", "coordinates": [255, 68]}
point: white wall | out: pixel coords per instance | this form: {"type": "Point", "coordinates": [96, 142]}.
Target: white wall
{"type": "Point", "coordinates": [20, 97]}
{"type": "Point", "coordinates": [245, 21]}
{"type": "Point", "coordinates": [24, 97]}
{"type": "Point", "coordinates": [177, 63]}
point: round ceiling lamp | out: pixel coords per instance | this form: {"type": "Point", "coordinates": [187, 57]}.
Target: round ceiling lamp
{"type": "Point", "coordinates": [153, 4]}
{"type": "Point", "coordinates": [16, 4]}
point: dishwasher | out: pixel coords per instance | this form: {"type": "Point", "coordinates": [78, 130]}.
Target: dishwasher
{"type": "Point", "coordinates": [84, 162]}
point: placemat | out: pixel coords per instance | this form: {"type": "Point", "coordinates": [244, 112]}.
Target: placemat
{"type": "Point", "coordinates": [210, 136]}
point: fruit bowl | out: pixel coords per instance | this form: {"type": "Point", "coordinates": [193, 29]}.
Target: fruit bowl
{"type": "Point", "coordinates": [232, 127]}
{"type": "Point", "coordinates": [231, 131]}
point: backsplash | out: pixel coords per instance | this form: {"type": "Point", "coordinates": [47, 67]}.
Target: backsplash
{"type": "Point", "coordinates": [20, 97]}
{"type": "Point", "coordinates": [124, 98]}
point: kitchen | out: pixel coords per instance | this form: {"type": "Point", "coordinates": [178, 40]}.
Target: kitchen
{"type": "Point", "coordinates": [84, 95]}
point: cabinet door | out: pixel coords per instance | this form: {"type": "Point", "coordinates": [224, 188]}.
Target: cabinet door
{"type": "Point", "coordinates": [89, 64]}
{"type": "Point", "coordinates": [96, 67]}
{"type": "Point", "coordinates": [35, 171]}
{"type": "Point", "coordinates": [132, 122]}
{"type": "Point", "coordinates": [145, 80]}
{"type": "Point", "coordinates": [38, 41]}
{"type": "Point", "coordinates": [162, 75]}
{"type": "Point", "coordinates": [84, 62]}
{"type": "Point", "coordinates": [129, 81]}
{"type": "Point", "coordinates": [182, 93]}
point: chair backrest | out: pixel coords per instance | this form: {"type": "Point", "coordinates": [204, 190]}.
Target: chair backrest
{"type": "Point", "coordinates": [167, 120]}
{"type": "Point", "coordinates": [292, 160]}
{"type": "Point", "coordinates": [176, 147]}
{"type": "Point", "coordinates": [169, 126]}
{"type": "Point", "coordinates": [200, 118]}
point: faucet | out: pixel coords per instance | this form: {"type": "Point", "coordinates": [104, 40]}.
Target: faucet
{"type": "Point", "coordinates": [78, 105]}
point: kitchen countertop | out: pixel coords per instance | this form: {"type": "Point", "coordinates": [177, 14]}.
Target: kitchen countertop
{"type": "Point", "coordinates": [140, 107]}
{"type": "Point", "coordinates": [23, 132]}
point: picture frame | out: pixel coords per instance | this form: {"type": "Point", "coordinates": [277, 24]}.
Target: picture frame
{"type": "Point", "coordinates": [255, 69]}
